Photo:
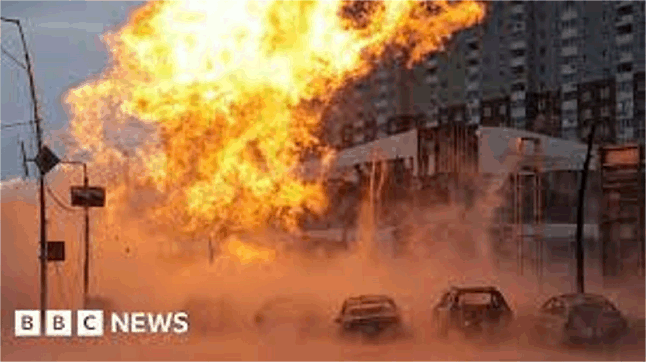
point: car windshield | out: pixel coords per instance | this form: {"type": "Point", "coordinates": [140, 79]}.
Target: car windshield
{"type": "Point", "coordinates": [594, 307]}
{"type": "Point", "coordinates": [370, 309]}
{"type": "Point", "coordinates": [475, 299]}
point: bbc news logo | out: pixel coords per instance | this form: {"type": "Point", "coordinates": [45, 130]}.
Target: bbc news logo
{"type": "Point", "coordinates": [90, 323]}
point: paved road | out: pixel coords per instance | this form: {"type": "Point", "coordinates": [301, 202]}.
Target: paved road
{"type": "Point", "coordinates": [251, 347]}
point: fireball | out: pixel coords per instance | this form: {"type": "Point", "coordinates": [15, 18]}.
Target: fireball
{"type": "Point", "coordinates": [234, 92]}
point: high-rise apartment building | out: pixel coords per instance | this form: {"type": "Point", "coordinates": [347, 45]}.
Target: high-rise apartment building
{"type": "Point", "coordinates": [547, 66]}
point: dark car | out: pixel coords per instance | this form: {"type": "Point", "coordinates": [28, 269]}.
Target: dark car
{"type": "Point", "coordinates": [472, 311]}
{"type": "Point", "coordinates": [299, 316]}
{"type": "Point", "coordinates": [577, 319]}
{"type": "Point", "coordinates": [370, 315]}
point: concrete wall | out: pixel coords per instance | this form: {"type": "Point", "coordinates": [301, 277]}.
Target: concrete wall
{"type": "Point", "coordinates": [403, 145]}
{"type": "Point", "coordinates": [499, 151]}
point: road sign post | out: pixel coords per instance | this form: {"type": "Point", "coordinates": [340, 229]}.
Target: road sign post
{"type": "Point", "coordinates": [86, 196]}
{"type": "Point", "coordinates": [56, 251]}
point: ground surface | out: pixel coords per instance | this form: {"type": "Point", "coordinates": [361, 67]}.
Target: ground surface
{"type": "Point", "coordinates": [251, 347]}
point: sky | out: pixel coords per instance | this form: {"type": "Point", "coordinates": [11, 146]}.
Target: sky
{"type": "Point", "coordinates": [64, 40]}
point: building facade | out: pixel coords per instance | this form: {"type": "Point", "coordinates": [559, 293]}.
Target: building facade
{"type": "Point", "coordinates": [552, 67]}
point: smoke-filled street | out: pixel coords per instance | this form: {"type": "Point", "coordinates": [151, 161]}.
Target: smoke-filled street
{"type": "Point", "coordinates": [299, 296]}
{"type": "Point", "coordinates": [324, 180]}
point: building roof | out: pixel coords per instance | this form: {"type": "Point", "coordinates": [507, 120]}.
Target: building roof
{"type": "Point", "coordinates": [499, 151]}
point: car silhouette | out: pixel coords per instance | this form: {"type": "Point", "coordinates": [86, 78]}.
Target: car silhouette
{"type": "Point", "coordinates": [472, 311]}
{"type": "Point", "coordinates": [578, 319]}
{"type": "Point", "coordinates": [369, 315]}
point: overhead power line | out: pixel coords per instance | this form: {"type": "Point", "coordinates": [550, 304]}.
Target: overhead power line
{"type": "Point", "coordinates": [23, 66]}
{"type": "Point", "coordinates": [59, 202]}
{"type": "Point", "coordinates": [16, 124]}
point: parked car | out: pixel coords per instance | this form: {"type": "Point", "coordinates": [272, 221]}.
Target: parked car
{"type": "Point", "coordinates": [472, 311]}
{"type": "Point", "coordinates": [369, 315]}
{"type": "Point", "coordinates": [578, 319]}
{"type": "Point", "coordinates": [299, 316]}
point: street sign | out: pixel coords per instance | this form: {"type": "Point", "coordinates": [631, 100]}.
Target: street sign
{"type": "Point", "coordinates": [622, 156]}
{"type": "Point", "coordinates": [56, 251]}
{"type": "Point", "coordinates": [88, 196]}
{"type": "Point", "coordinates": [46, 160]}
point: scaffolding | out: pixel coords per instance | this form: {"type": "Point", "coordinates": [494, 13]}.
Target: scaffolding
{"type": "Point", "coordinates": [528, 180]}
{"type": "Point", "coordinates": [529, 196]}
{"type": "Point", "coordinates": [622, 218]}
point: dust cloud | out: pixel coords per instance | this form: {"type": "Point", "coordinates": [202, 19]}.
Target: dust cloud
{"type": "Point", "coordinates": [282, 309]}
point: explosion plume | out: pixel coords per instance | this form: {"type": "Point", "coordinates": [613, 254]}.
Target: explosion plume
{"type": "Point", "coordinates": [233, 93]}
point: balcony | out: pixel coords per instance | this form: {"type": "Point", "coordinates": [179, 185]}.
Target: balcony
{"type": "Point", "coordinates": [432, 79]}
{"type": "Point", "coordinates": [519, 44]}
{"type": "Point", "coordinates": [619, 4]}
{"type": "Point", "coordinates": [473, 86]}
{"type": "Point", "coordinates": [473, 69]}
{"type": "Point", "coordinates": [473, 54]}
{"type": "Point", "coordinates": [518, 96]}
{"type": "Point", "coordinates": [568, 33]}
{"type": "Point", "coordinates": [514, 62]}
{"type": "Point", "coordinates": [621, 96]}
{"type": "Point", "coordinates": [431, 62]}
{"type": "Point", "coordinates": [623, 77]}
{"type": "Point", "coordinates": [567, 69]}
{"type": "Point", "coordinates": [518, 112]}
{"type": "Point", "coordinates": [623, 20]}
{"type": "Point", "coordinates": [382, 104]}
{"type": "Point", "coordinates": [569, 105]}
{"type": "Point", "coordinates": [624, 39]}
{"type": "Point", "coordinates": [518, 9]}
{"type": "Point", "coordinates": [625, 57]}
{"type": "Point", "coordinates": [568, 15]}
{"type": "Point", "coordinates": [569, 51]}
{"type": "Point", "coordinates": [568, 87]}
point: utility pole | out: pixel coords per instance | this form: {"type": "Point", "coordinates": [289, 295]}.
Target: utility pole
{"type": "Point", "coordinates": [580, 277]}
{"type": "Point", "coordinates": [43, 220]}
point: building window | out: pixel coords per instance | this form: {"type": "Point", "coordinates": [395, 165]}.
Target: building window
{"type": "Point", "coordinates": [605, 111]}
{"type": "Point", "coordinates": [625, 67]}
{"type": "Point", "coordinates": [626, 48]}
{"type": "Point", "coordinates": [605, 92]}
{"type": "Point", "coordinates": [541, 51]}
{"type": "Point", "coordinates": [542, 69]}
{"type": "Point", "coordinates": [625, 29]}
{"type": "Point", "coordinates": [487, 111]}
{"type": "Point", "coordinates": [587, 96]}
{"type": "Point", "coordinates": [502, 110]}
{"type": "Point", "coordinates": [518, 87]}
{"type": "Point", "coordinates": [625, 10]}
{"type": "Point", "coordinates": [587, 114]}
{"type": "Point", "coordinates": [518, 52]}
{"type": "Point", "coordinates": [541, 105]}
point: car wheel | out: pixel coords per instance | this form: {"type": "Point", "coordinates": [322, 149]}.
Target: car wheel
{"type": "Point", "coordinates": [552, 338]}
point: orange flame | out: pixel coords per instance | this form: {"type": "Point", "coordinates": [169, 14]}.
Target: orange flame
{"type": "Point", "coordinates": [234, 91]}
{"type": "Point", "coordinates": [247, 254]}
